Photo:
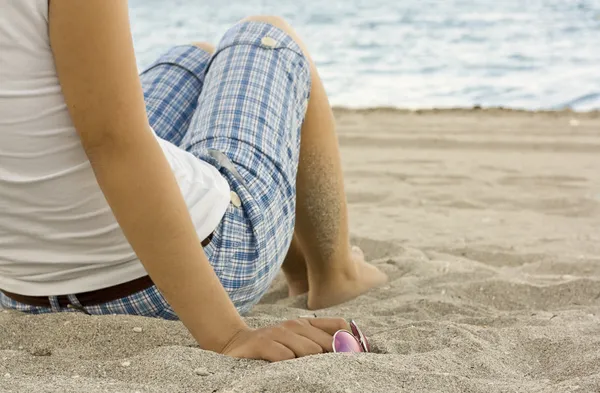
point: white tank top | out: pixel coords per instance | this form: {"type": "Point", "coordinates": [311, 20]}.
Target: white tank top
{"type": "Point", "coordinates": [57, 233]}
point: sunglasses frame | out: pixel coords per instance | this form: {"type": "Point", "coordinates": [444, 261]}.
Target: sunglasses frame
{"type": "Point", "coordinates": [357, 334]}
{"type": "Point", "coordinates": [362, 339]}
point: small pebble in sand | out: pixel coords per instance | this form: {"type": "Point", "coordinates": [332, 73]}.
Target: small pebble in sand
{"type": "Point", "coordinates": [75, 376]}
{"type": "Point", "coordinates": [137, 329]}
{"type": "Point", "coordinates": [7, 375]}
{"type": "Point", "coordinates": [574, 122]}
{"type": "Point", "coordinates": [202, 372]}
{"type": "Point", "coordinates": [41, 352]}
{"type": "Point", "coordinates": [126, 364]}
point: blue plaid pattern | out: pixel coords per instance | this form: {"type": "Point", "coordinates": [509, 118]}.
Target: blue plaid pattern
{"type": "Point", "coordinates": [240, 110]}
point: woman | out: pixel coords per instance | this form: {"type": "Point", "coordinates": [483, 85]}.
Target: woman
{"type": "Point", "coordinates": [177, 194]}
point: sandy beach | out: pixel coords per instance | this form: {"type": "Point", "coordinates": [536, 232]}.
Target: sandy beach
{"type": "Point", "coordinates": [486, 221]}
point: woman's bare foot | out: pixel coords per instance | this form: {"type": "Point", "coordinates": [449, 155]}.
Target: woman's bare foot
{"type": "Point", "coordinates": [341, 288]}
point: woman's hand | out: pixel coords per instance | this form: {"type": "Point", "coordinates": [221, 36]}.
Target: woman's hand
{"type": "Point", "coordinates": [288, 340]}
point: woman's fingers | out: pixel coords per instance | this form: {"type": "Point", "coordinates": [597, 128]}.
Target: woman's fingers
{"type": "Point", "coordinates": [304, 328]}
{"type": "Point", "coordinates": [328, 325]}
{"type": "Point", "coordinates": [297, 343]}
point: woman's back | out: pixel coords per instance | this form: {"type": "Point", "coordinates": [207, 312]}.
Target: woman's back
{"type": "Point", "coordinates": [57, 233]}
{"type": "Point", "coordinates": [54, 220]}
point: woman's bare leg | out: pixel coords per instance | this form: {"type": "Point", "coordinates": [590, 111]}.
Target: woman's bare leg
{"type": "Point", "coordinates": [321, 249]}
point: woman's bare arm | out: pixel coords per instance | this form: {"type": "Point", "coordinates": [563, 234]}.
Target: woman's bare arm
{"type": "Point", "coordinates": [93, 50]}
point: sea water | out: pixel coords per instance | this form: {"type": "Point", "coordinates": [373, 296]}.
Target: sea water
{"type": "Point", "coordinates": [528, 54]}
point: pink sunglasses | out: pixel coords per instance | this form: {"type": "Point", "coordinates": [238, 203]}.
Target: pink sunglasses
{"type": "Point", "coordinates": [350, 341]}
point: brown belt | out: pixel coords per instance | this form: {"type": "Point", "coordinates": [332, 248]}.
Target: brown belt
{"type": "Point", "coordinates": [93, 298]}
{"type": "Point", "coordinates": [88, 298]}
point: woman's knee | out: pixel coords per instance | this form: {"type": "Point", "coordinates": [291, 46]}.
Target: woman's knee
{"type": "Point", "coordinates": [276, 21]}
{"type": "Point", "coordinates": [282, 24]}
{"type": "Point", "coordinates": [205, 46]}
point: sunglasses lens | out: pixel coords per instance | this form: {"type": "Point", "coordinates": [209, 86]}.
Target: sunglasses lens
{"type": "Point", "coordinates": [344, 341]}
{"type": "Point", "coordinates": [360, 336]}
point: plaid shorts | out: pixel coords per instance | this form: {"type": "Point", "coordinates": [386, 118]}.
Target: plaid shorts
{"type": "Point", "coordinates": [240, 110]}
